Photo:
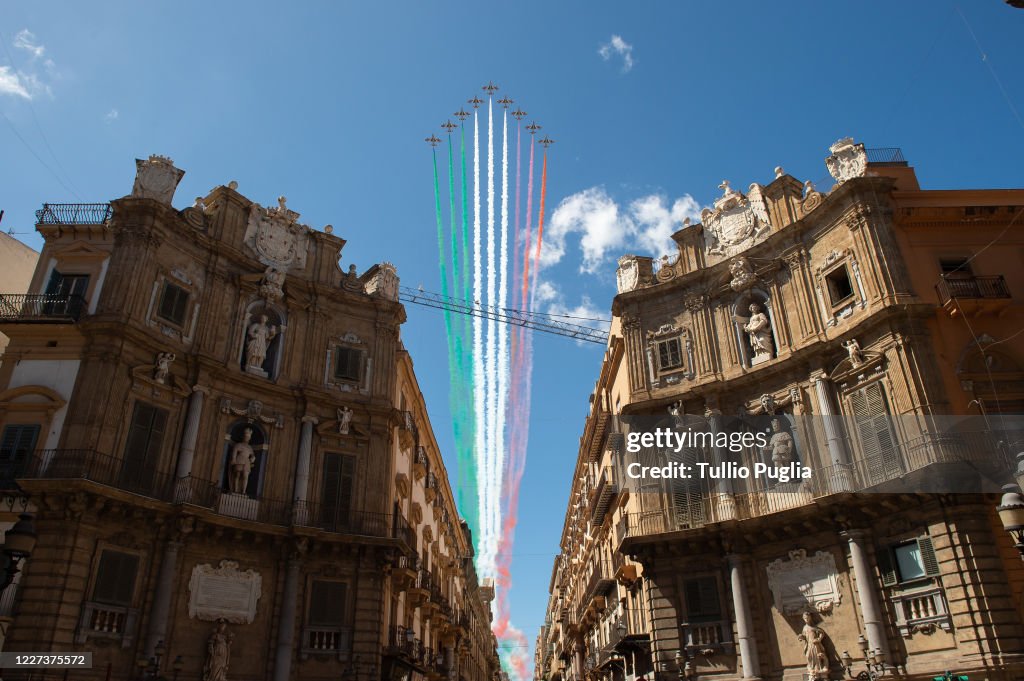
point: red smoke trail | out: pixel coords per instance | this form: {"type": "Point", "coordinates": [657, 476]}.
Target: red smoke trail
{"type": "Point", "coordinates": [540, 223]}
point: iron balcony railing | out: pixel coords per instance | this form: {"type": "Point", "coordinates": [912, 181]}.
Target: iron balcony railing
{"type": "Point", "coordinates": [74, 214]}
{"type": "Point", "coordinates": [87, 464]}
{"type": "Point", "coordinates": [41, 307]}
{"type": "Point", "coordinates": [950, 288]}
{"type": "Point", "coordinates": [886, 156]}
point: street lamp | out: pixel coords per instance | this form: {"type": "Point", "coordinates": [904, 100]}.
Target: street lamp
{"type": "Point", "coordinates": [874, 660]}
{"type": "Point", "coordinates": [19, 542]}
{"type": "Point", "coordinates": [1011, 513]}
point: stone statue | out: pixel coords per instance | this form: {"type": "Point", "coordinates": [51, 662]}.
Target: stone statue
{"type": "Point", "coordinates": [272, 286]}
{"type": "Point", "coordinates": [260, 333]}
{"type": "Point", "coordinates": [854, 351]}
{"type": "Point", "coordinates": [742, 272]}
{"type": "Point", "coordinates": [162, 367]}
{"type": "Point", "coordinates": [813, 639]}
{"type": "Point", "coordinates": [759, 329]}
{"type": "Point", "coordinates": [808, 188]}
{"type": "Point", "coordinates": [218, 653]}
{"type": "Point", "coordinates": [241, 462]}
{"type": "Point", "coordinates": [344, 420]}
{"type": "Point", "coordinates": [780, 446]}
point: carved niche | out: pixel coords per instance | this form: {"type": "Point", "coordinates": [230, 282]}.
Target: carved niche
{"type": "Point", "coordinates": [803, 582]}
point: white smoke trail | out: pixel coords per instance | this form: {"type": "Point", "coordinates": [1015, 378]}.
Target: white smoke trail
{"type": "Point", "coordinates": [503, 359]}
{"type": "Point", "coordinates": [478, 368]}
{"type": "Point", "coordinates": [491, 370]}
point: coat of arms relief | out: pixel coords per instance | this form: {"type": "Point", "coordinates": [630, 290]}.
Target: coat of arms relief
{"type": "Point", "coordinates": [276, 236]}
{"type": "Point", "coordinates": [736, 222]}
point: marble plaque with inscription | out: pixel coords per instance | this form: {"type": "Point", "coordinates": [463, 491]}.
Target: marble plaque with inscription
{"type": "Point", "coordinates": [223, 593]}
{"type": "Point", "coordinates": [804, 582]}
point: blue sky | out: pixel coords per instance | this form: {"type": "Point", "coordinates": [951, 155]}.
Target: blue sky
{"type": "Point", "coordinates": [328, 104]}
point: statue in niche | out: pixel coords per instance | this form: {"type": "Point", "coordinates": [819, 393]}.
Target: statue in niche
{"type": "Point", "coordinates": [759, 330]}
{"type": "Point", "coordinates": [344, 420]}
{"type": "Point", "coordinates": [780, 445]}
{"type": "Point", "coordinates": [162, 366]}
{"type": "Point", "coordinates": [218, 653]}
{"type": "Point", "coordinates": [854, 351]}
{"type": "Point", "coordinates": [259, 333]}
{"type": "Point", "coordinates": [241, 461]}
{"type": "Point", "coordinates": [813, 638]}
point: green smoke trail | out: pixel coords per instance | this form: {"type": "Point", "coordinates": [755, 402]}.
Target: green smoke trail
{"type": "Point", "coordinates": [462, 387]}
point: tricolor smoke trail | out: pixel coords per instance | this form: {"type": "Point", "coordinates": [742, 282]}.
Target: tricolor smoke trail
{"type": "Point", "coordinates": [490, 364]}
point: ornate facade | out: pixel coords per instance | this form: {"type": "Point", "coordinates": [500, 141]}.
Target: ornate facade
{"type": "Point", "coordinates": [228, 456]}
{"type": "Point", "coordinates": [846, 323]}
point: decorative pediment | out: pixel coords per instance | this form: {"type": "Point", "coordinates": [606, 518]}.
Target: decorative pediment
{"type": "Point", "coordinates": [31, 398]}
{"type": "Point", "coordinates": [79, 251]}
{"type": "Point", "coordinates": [736, 222]}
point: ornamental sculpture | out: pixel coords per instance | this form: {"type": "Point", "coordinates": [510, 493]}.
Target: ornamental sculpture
{"type": "Point", "coordinates": [241, 461]}
{"type": "Point", "coordinates": [259, 335]}
{"type": "Point", "coordinates": [848, 160]}
{"type": "Point", "coordinates": [736, 222]}
{"type": "Point", "coordinates": [276, 236]}
{"type": "Point", "coordinates": [162, 366]}
{"type": "Point", "coordinates": [743, 276]}
{"type": "Point", "coordinates": [218, 653]}
{"type": "Point", "coordinates": [759, 332]}
{"type": "Point", "coordinates": [627, 276]}
{"type": "Point", "coordinates": [156, 179]}
{"type": "Point", "coordinates": [813, 638]}
{"type": "Point", "coordinates": [272, 286]}
{"type": "Point", "coordinates": [780, 446]}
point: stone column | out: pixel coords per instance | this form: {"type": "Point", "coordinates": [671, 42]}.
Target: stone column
{"type": "Point", "coordinates": [302, 469]}
{"type": "Point", "coordinates": [841, 479]}
{"type": "Point", "coordinates": [286, 628]}
{"type": "Point", "coordinates": [724, 502]}
{"type": "Point", "coordinates": [867, 593]}
{"type": "Point", "coordinates": [746, 642]}
{"type": "Point", "coordinates": [191, 431]}
{"type": "Point", "coordinates": [161, 610]}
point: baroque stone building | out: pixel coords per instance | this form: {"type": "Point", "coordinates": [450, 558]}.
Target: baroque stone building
{"type": "Point", "coordinates": [847, 326]}
{"type": "Point", "coordinates": [230, 462]}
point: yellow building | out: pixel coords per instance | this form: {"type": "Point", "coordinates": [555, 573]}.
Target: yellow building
{"type": "Point", "coordinates": [228, 458]}
{"type": "Point", "coordinates": [870, 334]}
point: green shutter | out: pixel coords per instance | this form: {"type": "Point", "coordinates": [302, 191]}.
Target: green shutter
{"type": "Point", "coordinates": [339, 471]}
{"type": "Point", "coordinates": [143, 446]}
{"type": "Point", "coordinates": [886, 566]}
{"type": "Point", "coordinates": [702, 601]}
{"type": "Point", "coordinates": [928, 559]}
{"type": "Point", "coordinates": [327, 603]}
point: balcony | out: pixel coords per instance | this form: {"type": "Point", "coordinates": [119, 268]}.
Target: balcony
{"type": "Point", "coordinates": [42, 308]}
{"type": "Point", "coordinates": [320, 640]}
{"type": "Point", "coordinates": [605, 489]}
{"type": "Point", "coordinates": [403, 644]}
{"type": "Point", "coordinates": [973, 296]}
{"type": "Point", "coordinates": [74, 214]}
{"type": "Point", "coordinates": [114, 472]}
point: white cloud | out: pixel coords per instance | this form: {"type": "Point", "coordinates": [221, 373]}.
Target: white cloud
{"type": "Point", "coordinates": [607, 230]}
{"type": "Point", "coordinates": [26, 40]}
{"type": "Point", "coordinates": [617, 46]}
{"type": "Point", "coordinates": [550, 298]}
{"type": "Point", "coordinates": [111, 116]}
{"type": "Point", "coordinates": [10, 83]}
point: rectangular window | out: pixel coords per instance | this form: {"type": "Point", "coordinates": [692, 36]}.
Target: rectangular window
{"type": "Point", "coordinates": [143, 446]}
{"type": "Point", "coordinates": [840, 287]}
{"type": "Point", "coordinates": [16, 446]}
{"type": "Point", "coordinates": [908, 561]}
{"type": "Point", "coordinates": [702, 601]}
{"type": "Point", "coordinates": [65, 294]}
{"type": "Point", "coordinates": [339, 471]}
{"type": "Point", "coordinates": [327, 604]}
{"type": "Point", "coordinates": [173, 304]}
{"type": "Point", "coordinates": [670, 354]}
{"type": "Point", "coordinates": [955, 267]}
{"type": "Point", "coordinates": [348, 364]}
{"type": "Point", "coordinates": [115, 578]}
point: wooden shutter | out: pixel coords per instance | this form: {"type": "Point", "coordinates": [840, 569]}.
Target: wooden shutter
{"type": "Point", "coordinates": [115, 578]}
{"type": "Point", "coordinates": [670, 354]}
{"type": "Point", "coordinates": [327, 603]}
{"type": "Point", "coordinates": [928, 560]}
{"type": "Point", "coordinates": [347, 363]}
{"type": "Point", "coordinates": [16, 446]}
{"type": "Point", "coordinates": [173, 303]}
{"type": "Point", "coordinates": [886, 566]}
{"type": "Point", "coordinates": [702, 601]}
{"type": "Point", "coordinates": [145, 440]}
{"type": "Point", "coordinates": [875, 434]}
{"type": "Point", "coordinates": [339, 470]}
{"type": "Point", "coordinates": [687, 493]}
